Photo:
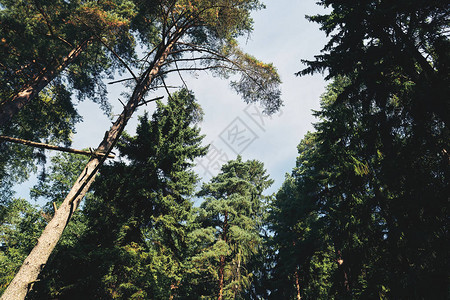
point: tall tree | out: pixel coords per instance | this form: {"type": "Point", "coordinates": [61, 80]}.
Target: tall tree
{"type": "Point", "coordinates": [304, 262]}
{"type": "Point", "coordinates": [380, 217]}
{"type": "Point", "coordinates": [229, 235]}
{"type": "Point", "coordinates": [135, 233]}
{"type": "Point", "coordinates": [208, 29]}
{"type": "Point", "coordinates": [391, 121]}
{"type": "Point", "coordinates": [22, 223]}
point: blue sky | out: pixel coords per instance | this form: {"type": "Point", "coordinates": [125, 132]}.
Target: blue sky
{"type": "Point", "coordinates": [282, 36]}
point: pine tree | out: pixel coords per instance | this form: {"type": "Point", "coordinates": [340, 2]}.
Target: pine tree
{"type": "Point", "coordinates": [52, 52]}
{"type": "Point", "coordinates": [228, 236]}
{"type": "Point", "coordinates": [382, 141]}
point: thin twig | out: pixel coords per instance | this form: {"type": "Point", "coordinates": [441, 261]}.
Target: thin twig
{"type": "Point", "coordinates": [121, 80]}
{"type": "Point", "coordinates": [179, 74]}
{"type": "Point", "coordinates": [165, 86]}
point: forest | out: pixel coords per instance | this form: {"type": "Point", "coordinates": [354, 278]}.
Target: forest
{"type": "Point", "coordinates": [362, 215]}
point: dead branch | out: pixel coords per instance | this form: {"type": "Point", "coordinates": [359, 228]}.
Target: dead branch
{"type": "Point", "coordinates": [52, 147]}
{"type": "Point", "coordinates": [143, 102]}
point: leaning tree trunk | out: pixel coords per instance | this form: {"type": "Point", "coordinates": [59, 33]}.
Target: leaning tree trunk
{"type": "Point", "coordinates": [11, 106]}
{"type": "Point", "coordinates": [38, 257]}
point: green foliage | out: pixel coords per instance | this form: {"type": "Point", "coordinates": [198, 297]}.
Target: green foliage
{"type": "Point", "coordinates": [63, 172]}
{"type": "Point", "coordinates": [21, 224]}
{"type": "Point", "coordinates": [227, 234]}
{"type": "Point", "coordinates": [389, 48]}
{"type": "Point", "coordinates": [52, 119]}
{"type": "Point", "coordinates": [36, 38]}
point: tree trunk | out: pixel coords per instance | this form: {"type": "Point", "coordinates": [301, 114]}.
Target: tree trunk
{"type": "Point", "coordinates": [341, 266]}
{"type": "Point", "coordinates": [221, 276]}
{"type": "Point", "coordinates": [297, 284]}
{"type": "Point", "coordinates": [222, 258]}
{"type": "Point", "coordinates": [13, 105]}
{"type": "Point", "coordinates": [38, 257]}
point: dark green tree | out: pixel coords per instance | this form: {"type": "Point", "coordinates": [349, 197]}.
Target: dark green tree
{"type": "Point", "coordinates": [304, 261]}
{"type": "Point", "coordinates": [389, 123]}
{"type": "Point", "coordinates": [388, 48]}
{"type": "Point", "coordinates": [370, 187]}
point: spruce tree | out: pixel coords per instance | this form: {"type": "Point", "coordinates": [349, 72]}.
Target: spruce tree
{"type": "Point", "coordinates": [135, 233]}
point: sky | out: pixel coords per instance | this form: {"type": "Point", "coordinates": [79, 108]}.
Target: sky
{"type": "Point", "coordinates": [281, 36]}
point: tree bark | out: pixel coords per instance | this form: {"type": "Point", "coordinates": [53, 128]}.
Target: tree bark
{"type": "Point", "coordinates": [341, 266]}
{"type": "Point", "coordinates": [36, 260]}
{"type": "Point", "coordinates": [222, 258]}
{"type": "Point", "coordinates": [52, 147]}
{"type": "Point", "coordinates": [297, 284]}
{"type": "Point", "coordinates": [12, 106]}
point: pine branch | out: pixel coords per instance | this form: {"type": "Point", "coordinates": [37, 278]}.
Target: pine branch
{"type": "Point", "coordinates": [52, 147]}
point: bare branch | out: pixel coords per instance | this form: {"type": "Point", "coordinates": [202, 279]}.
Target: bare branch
{"type": "Point", "coordinates": [123, 105]}
{"type": "Point", "coordinates": [175, 60]}
{"type": "Point", "coordinates": [52, 147]}
{"type": "Point", "coordinates": [179, 74]}
{"type": "Point", "coordinates": [145, 58]}
{"type": "Point", "coordinates": [200, 69]}
{"type": "Point", "coordinates": [240, 68]}
{"type": "Point", "coordinates": [165, 86]}
{"type": "Point", "coordinates": [161, 86]}
{"type": "Point", "coordinates": [143, 102]}
{"type": "Point", "coordinates": [121, 80]}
